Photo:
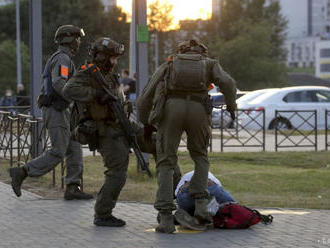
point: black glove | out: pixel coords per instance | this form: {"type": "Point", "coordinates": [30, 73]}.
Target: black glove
{"type": "Point", "coordinates": [148, 130]}
{"type": "Point", "coordinates": [232, 115]}
{"type": "Point", "coordinates": [231, 109]}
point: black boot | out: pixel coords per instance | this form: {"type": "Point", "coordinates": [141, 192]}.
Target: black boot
{"type": "Point", "coordinates": [110, 221]}
{"type": "Point", "coordinates": [73, 192]}
{"type": "Point", "coordinates": [166, 224]}
{"type": "Point", "coordinates": [17, 175]}
{"type": "Point", "coordinates": [188, 221]}
{"type": "Point", "coordinates": [201, 212]}
{"type": "Point", "coordinates": [176, 223]}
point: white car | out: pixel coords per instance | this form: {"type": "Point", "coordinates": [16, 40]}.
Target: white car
{"type": "Point", "coordinates": [302, 98]}
{"type": "Point", "coordinates": [252, 95]}
{"type": "Point", "coordinates": [216, 113]}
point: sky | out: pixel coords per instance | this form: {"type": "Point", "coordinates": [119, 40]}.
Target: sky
{"type": "Point", "coordinates": [182, 9]}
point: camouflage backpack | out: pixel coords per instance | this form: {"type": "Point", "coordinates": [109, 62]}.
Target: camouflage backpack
{"type": "Point", "coordinates": [188, 73]}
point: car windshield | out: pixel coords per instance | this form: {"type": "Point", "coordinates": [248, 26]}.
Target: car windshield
{"type": "Point", "coordinates": [250, 96]}
{"type": "Point", "coordinates": [264, 96]}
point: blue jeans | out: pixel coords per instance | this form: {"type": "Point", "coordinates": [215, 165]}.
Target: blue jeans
{"type": "Point", "coordinates": [187, 203]}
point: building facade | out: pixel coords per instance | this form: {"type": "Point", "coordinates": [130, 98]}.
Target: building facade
{"type": "Point", "coordinates": [308, 24]}
{"type": "Point", "coordinates": [322, 59]}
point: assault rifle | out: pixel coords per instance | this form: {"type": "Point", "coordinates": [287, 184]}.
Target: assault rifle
{"type": "Point", "coordinates": [125, 124]}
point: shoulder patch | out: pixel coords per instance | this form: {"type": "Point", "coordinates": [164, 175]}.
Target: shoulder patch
{"type": "Point", "coordinates": [64, 71]}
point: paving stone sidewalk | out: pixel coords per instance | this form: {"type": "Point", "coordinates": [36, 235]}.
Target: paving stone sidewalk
{"type": "Point", "coordinates": [31, 221]}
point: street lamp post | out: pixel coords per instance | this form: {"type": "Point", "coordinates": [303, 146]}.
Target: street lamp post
{"type": "Point", "coordinates": [18, 45]}
{"type": "Point", "coordinates": [139, 44]}
{"type": "Point", "coordinates": [35, 71]}
{"type": "Point", "coordinates": [139, 48]}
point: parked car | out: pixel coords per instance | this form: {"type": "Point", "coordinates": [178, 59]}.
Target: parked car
{"type": "Point", "coordinates": [218, 99]}
{"type": "Point", "coordinates": [287, 99]}
{"type": "Point", "coordinates": [252, 95]}
{"type": "Point", "coordinates": [216, 113]}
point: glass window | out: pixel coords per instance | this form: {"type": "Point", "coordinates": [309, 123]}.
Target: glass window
{"type": "Point", "coordinates": [292, 97]}
{"type": "Point", "coordinates": [308, 96]}
{"type": "Point", "coordinates": [325, 53]}
{"type": "Point", "coordinates": [325, 68]}
{"type": "Point", "coordinates": [323, 96]}
{"type": "Point", "coordinates": [301, 96]}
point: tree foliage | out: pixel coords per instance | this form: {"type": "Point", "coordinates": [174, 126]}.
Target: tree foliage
{"type": "Point", "coordinates": [247, 36]}
{"type": "Point", "coordinates": [89, 15]}
{"type": "Point", "coordinates": [247, 58]}
{"type": "Point", "coordinates": [250, 43]}
{"type": "Point", "coordinates": [8, 65]}
{"type": "Point", "coordinates": [159, 16]}
{"type": "Point", "coordinates": [160, 21]}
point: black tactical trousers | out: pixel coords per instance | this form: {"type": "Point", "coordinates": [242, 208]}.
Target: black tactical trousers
{"type": "Point", "coordinates": [115, 152]}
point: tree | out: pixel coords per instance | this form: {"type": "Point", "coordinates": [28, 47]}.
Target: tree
{"type": "Point", "coordinates": [231, 12]}
{"type": "Point", "coordinates": [8, 65]}
{"type": "Point", "coordinates": [89, 15]}
{"type": "Point", "coordinates": [250, 43]}
{"type": "Point", "coordinates": [160, 20]}
{"type": "Point", "coordinates": [8, 21]}
{"type": "Point", "coordinates": [159, 16]}
{"type": "Point", "coordinates": [278, 25]}
{"type": "Point", "coordinates": [247, 59]}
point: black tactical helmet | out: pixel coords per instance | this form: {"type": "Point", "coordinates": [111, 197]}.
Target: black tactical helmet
{"type": "Point", "coordinates": [104, 47]}
{"type": "Point", "coordinates": [101, 51]}
{"type": "Point", "coordinates": [191, 45]}
{"type": "Point", "coordinates": [67, 34]}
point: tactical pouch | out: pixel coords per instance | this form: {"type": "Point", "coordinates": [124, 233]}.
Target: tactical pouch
{"type": "Point", "coordinates": [44, 101]}
{"type": "Point", "coordinates": [188, 73]}
{"type": "Point", "coordinates": [159, 101]}
{"type": "Point", "coordinates": [60, 104]}
{"type": "Point", "coordinates": [86, 133]}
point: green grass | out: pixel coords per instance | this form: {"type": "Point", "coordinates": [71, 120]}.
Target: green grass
{"type": "Point", "coordinates": [308, 70]}
{"type": "Point", "coordinates": [263, 179]}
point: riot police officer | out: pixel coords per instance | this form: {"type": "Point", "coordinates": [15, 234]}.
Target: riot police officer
{"type": "Point", "coordinates": [56, 116]}
{"type": "Point", "coordinates": [176, 100]}
{"type": "Point", "coordinates": [98, 126]}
